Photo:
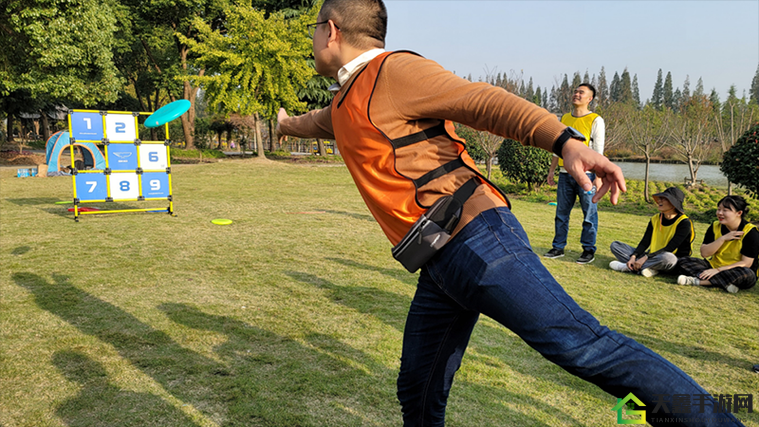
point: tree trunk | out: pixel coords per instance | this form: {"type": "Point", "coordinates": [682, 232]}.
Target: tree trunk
{"type": "Point", "coordinates": [189, 93]}
{"type": "Point", "coordinates": [260, 151]}
{"type": "Point", "coordinates": [729, 188]}
{"type": "Point", "coordinates": [489, 166]}
{"type": "Point", "coordinates": [692, 170]}
{"type": "Point", "coordinates": [45, 126]}
{"type": "Point", "coordinates": [322, 149]}
{"type": "Point", "coordinates": [645, 178]}
{"type": "Point", "coordinates": [272, 141]}
{"type": "Point", "coordinates": [10, 137]}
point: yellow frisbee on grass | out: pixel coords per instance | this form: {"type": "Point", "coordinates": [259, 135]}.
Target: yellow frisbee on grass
{"type": "Point", "coordinates": [221, 221]}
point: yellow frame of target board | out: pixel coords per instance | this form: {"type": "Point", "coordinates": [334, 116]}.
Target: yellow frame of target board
{"type": "Point", "coordinates": [159, 188]}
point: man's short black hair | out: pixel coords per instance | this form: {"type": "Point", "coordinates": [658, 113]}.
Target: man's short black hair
{"type": "Point", "coordinates": [589, 86]}
{"type": "Point", "coordinates": [363, 23]}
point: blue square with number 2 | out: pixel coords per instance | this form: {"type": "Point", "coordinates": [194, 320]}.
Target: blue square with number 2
{"type": "Point", "coordinates": [155, 185]}
{"type": "Point", "coordinates": [91, 186]}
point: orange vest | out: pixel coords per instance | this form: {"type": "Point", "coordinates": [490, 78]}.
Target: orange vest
{"type": "Point", "coordinates": [398, 178]}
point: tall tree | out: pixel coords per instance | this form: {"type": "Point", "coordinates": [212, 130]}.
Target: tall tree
{"type": "Point", "coordinates": [614, 88]}
{"type": "Point", "coordinates": [754, 91]}
{"type": "Point", "coordinates": [625, 94]}
{"type": "Point", "coordinates": [256, 64]}
{"type": "Point", "coordinates": [667, 92]}
{"type": "Point", "coordinates": [484, 142]}
{"type": "Point", "coordinates": [692, 133]}
{"type": "Point", "coordinates": [657, 98]}
{"type": "Point", "coordinates": [602, 89]}
{"type": "Point", "coordinates": [636, 92]}
{"type": "Point", "coordinates": [735, 117]}
{"type": "Point", "coordinates": [54, 51]}
{"type": "Point", "coordinates": [648, 129]}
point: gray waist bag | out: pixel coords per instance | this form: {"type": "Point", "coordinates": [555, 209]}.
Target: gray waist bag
{"type": "Point", "coordinates": [433, 229]}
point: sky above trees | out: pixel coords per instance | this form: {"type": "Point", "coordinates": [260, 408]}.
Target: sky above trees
{"type": "Point", "coordinates": [715, 40]}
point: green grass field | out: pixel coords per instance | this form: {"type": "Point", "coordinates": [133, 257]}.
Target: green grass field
{"type": "Point", "coordinates": [293, 315]}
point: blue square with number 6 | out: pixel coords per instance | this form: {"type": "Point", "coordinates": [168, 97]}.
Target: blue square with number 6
{"type": "Point", "coordinates": [91, 186]}
{"type": "Point", "coordinates": [155, 185]}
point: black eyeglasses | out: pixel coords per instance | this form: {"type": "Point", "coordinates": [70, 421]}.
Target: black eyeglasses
{"type": "Point", "coordinates": [312, 27]}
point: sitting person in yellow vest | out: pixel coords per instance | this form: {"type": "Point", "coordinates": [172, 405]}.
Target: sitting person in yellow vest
{"type": "Point", "coordinates": [668, 237]}
{"type": "Point", "coordinates": [731, 246]}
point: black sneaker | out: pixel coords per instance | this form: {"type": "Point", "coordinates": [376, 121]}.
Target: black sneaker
{"type": "Point", "coordinates": [554, 253]}
{"type": "Point", "coordinates": [586, 257]}
{"type": "Point", "coordinates": [756, 368]}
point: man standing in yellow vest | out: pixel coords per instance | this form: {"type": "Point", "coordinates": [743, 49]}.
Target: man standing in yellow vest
{"type": "Point", "coordinates": [668, 237]}
{"type": "Point", "coordinates": [592, 126]}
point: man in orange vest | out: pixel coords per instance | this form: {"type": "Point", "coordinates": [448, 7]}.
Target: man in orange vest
{"type": "Point", "coordinates": [391, 118]}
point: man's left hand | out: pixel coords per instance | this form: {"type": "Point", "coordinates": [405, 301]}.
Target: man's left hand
{"type": "Point", "coordinates": [579, 159]}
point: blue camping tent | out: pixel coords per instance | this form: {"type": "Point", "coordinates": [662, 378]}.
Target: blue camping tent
{"type": "Point", "coordinates": [93, 158]}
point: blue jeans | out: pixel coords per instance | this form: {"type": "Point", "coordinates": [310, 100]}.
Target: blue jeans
{"type": "Point", "coordinates": [567, 192]}
{"type": "Point", "coordinates": [490, 268]}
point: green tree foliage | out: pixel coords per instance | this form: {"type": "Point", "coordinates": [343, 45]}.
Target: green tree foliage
{"type": "Point", "coordinates": [58, 49]}
{"type": "Point", "coordinates": [668, 92]}
{"type": "Point", "coordinates": [602, 89]}
{"type": "Point", "coordinates": [256, 65]}
{"type": "Point", "coordinates": [614, 88]}
{"type": "Point", "coordinates": [635, 92]}
{"type": "Point", "coordinates": [657, 98]}
{"type": "Point", "coordinates": [754, 91]}
{"type": "Point", "coordinates": [524, 164]}
{"type": "Point", "coordinates": [740, 164]}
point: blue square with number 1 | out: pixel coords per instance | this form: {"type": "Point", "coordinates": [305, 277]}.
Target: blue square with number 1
{"type": "Point", "coordinates": [91, 186]}
{"type": "Point", "coordinates": [155, 185]}
{"type": "Point", "coordinates": [86, 126]}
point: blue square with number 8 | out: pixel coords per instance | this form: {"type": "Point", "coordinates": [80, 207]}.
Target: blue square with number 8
{"type": "Point", "coordinates": [91, 186]}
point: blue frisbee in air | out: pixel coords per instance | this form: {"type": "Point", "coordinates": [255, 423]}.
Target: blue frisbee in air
{"type": "Point", "coordinates": [167, 113]}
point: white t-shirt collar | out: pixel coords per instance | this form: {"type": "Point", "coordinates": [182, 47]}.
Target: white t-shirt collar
{"type": "Point", "coordinates": [346, 71]}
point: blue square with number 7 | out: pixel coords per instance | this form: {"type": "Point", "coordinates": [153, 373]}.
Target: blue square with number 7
{"type": "Point", "coordinates": [155, 185]}
{"type": "Point", "coordinates": [91, 186]}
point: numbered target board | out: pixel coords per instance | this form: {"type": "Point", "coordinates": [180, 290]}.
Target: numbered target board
{"type": "Point", "coordinates": [136, 170]}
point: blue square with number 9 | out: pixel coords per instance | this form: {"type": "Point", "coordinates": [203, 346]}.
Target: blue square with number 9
{"type": "Point", "coordinates": [91, 186]}
{"type": "Point", "coordinates": [155, 185]}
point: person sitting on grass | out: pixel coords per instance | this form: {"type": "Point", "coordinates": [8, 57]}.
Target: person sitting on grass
{"type": "Point", "coordinates": [731, 246]}
{"type": "Point", "coordinates": [668, 237]}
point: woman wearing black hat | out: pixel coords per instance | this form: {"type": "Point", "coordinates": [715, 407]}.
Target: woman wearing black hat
{"type": "Point", "coordinates": [731, 246]}
{"type": "Point", "coordinates": [668, 237]}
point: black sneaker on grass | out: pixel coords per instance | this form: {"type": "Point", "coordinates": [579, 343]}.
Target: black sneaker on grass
{"type": "Point", "coordinates": [554, 253]}
{"type": "Point", "coordinates": [586, 257]}
{"type": "Point", "coordinates": [756, 368]}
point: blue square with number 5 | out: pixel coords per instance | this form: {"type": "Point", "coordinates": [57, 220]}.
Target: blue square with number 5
{"type": "Point", "coordinates": [155, 185]}
{"type": "Point", "coordinates": [122, 157]}
{"type": "Point", "coordinates": [91, 186]}
{"type": "Point", "coordinates": [86, 126]}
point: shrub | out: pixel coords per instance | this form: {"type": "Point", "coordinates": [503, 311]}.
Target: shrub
{"type": "Point", "coordinates": [740, 164]}
{"type": "Point", "coordinates": [526, 165]}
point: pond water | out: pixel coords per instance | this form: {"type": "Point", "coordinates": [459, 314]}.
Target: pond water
{"type": "Point", "coordinates": [673, 172]}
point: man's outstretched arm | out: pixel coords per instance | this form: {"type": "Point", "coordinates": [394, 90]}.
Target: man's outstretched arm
{"type": "Point", "coordinates": [314, 124]}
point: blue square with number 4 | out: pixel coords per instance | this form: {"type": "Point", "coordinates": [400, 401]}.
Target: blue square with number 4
{"type": "Point", "coordinates": [155, 185]}
{"type": "Point", "coordinates": [91, 186]}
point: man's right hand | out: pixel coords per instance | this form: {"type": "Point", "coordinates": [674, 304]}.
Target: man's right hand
{"type": "Point", "coordinates": [550, 180]}
{"type": "Point", "coordinates": [281, 116]}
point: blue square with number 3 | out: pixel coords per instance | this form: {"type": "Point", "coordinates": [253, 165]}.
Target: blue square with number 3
{"type": "Point", "coordinates": [91, 186]}
{"type": "Point", "coordinates": [155, 185]}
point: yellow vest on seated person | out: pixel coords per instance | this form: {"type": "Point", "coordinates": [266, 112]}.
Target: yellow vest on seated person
{"type": "Point", "coordinates": [583, 125]}
{"type": "Point", "coordinates": [663, 234]}
{"type": "Point", "coordinates": [729, 252]}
